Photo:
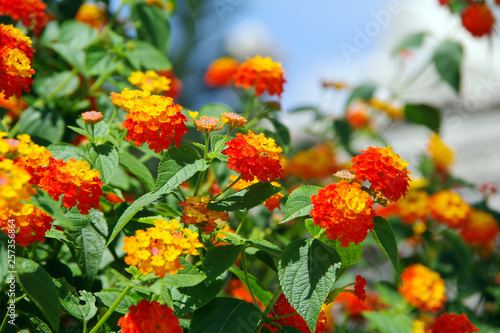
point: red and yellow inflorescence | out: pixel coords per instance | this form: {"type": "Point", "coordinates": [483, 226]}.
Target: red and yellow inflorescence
{"type": "Point", "coordinates": [261, 73]}
{"type": "Point", "coordinates": [204, 123]}
{"type": "Point", "coordinates": [152, 119]}
{"type": "Point", "coordinates": [423, 288]}
{"type": "Point", "coordinates": [452, 323]}
{"type": "Point", "coordinates": [194, 211]}
{"type": "Point", "coordinates": [345, 211]}
{"type": "Point", "coordinates": [478, 19]}
{"type": "Point", "coordinates": [221, 72]}
{"type": "Point", "coordinates": [157, 249]}
{"type": "Point", "coordinates": [325, 162]}
{"type": "Point", "coordinates": [92, 14]}
{"type": "Point", "coordinates": [449, 208]}
{"type": "Point", "coordinates": [92, 117]}
{"type": "Point", "coordinates": [480, 231]}
{"type": "Point", "coordinates": [440, 154]}
{"type": "Point", "coordinates": [234, 120]}
{"type": "Point", "coordinates": [413, 207]}
{"type": "Point", "coordinates": [16, 60]}
{"type": "Point", "coordinates": [151, 317]}
{"type": "Point", "coordinates": [359, 288]}
{"type": "Point", "coordinates": [31, 13]}
{"type": "Point", "coordinates": [271, 204]}
{"type": "Point", "coordinates": [254, 156]}
{"type": "Point", "coordinates": [150, 81]}
{"type": "Point", "coordinates": [355, 307]}
{"type": "Point", "coordinates": [386, 171]}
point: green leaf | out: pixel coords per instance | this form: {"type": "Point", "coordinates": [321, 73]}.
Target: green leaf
{"type": "Point", "coordinates": [299, 202]}
{"type": "Point", "coordinates": [264, 245]}
{"type": "Point", "coordinates": [148, 56]}
{"type": "Point", "coordinates": [219, 258]}
{"type": "Point", "coordinates": [384, 236]}
{"type": "Point", "coordinates": [282, 134]}
{"type": "Point", "coordinates": [45, 85]}
{"type": "Point", "coordinates": [307, 272]}
{"type": "Point", "coordinates": [187, 277]}
{"type": "Point", "coordinates": [77, 35]}
{"type": "Point", "coordinates": [188, 299]}
{"type": "Point", "coordinates": [82, 307]}
{"type": "Point", "coordinates": [263, 256]}
{"type": "Point", "coordinates": [98, 61]}
{"type": "Point", "coordinates": [389, 322]}
{"type": "Point", "coordinates": [226, 314]}
{"type": "Point", "coordinates": [109, 296]}
{"type": "Point", "coordinates": [36, 123]}
{"type": "Point", "coordinates": [363, 92]}
{"type": "Point", "coordinates": [458, 6]}
{"type": "Point", "coordinates": [45, 202]}
{"type": "Point", "coordinates": [38, 285]}
{"type": "Point", "coordinates": [65, 151]}
{"type": "Point", "coordinates": [175, 167]}
{"type": "Point", "coordinates": [247, 198]}
{"type": "Point", "coordinates": [152, 26]}
{"type": "Point", "coordinates": [74, 57]}
{"type": "Point", "coordinates": [261, 293]}
{"type": "Point", "coordinates": [105, 159]}
{"type": "Point", "coordinates": [214, 110]}
{"type": "Point", "coordinates": [344, 132]}
{"type": "Point", "coordinates": [349, 255]}
{"type": "Point", "coordinates": [411, 41]}
{"type": "Point", "coordinates": [423, 115]}
{"type": "Point", "coordinates": [448, 60]}
{"type": "Point", "coordinates": [78, 130]}
{"type": "Point", "coordinates": [130, 163]}
{"type": "Point", "coordinates": [40, 326]}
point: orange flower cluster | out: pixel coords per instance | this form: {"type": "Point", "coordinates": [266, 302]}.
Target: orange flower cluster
{"type": "Point", "coordinates": [449, 208]}
{"type": "Point", "coordinates": [150, 317]}
{"type": "Point", "coordinates": [412, 208]}
{"type": "Point", "coordinates": [14, 104]}
{"type": "Point", "coordinates": [354, 306]}
{"type": "Point", "coordinates": [478, 19]}
{"type": "Point", "coordinates": [345, 211]}
{"type": "Point", "coordinates": [423, 288]}
{"type": "Point", "coordinates": [271, 204]}
{"type": "Point", "coordinates": [205, 124]}
{"type": "Point", "coordinates": [325, 163]}
{"type": "Point", "coordinates": [357, 116]}
{"type": "Point", "coordinates": [441, 155]}
{"type": "Point", "coordinates": [480, 230]}
{"type": "Point", "coordinates": [261, 73]}
{"type": "Point", "coordinates": [92, 14]}
{"type": "Point", "coordinates": [16, 58]}
{"type": "Point", "coordinates": [195, 212]}
{"type": "Point", "coordinates": [92, 117]}
{"type": "Point", "coordinates": [221, 72]}
{"type": "Point", "coordinates": [386, 171]}
{"type": "Point", "coordinates": [30, 12]}
{"type": "Point", "coordinates": [158, 248]}
{"type": "Point", "coordinates": [254, 156]}
{"type": "Point", "coordinates": [234, 120]}
{"type": "Point", "coordinates": [152, 119]}
{"type": "Point", "coordinates": [237, 289]}
{"type": "Point", "coordinates": [283, 308]}
{"type": "Point", "coordinates": [452, 323]}
{"type": "Point", "coordinates": [150, 81]}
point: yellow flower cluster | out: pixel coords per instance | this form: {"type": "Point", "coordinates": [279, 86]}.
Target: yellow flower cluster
{"type": "Point", "coordinates": [195, 212]}
{"type": "Point", "coordinates": [390, 109]}
{"type": "Point", "coordinates": [127, 99]}
{"type": "Point", "coordinates": [449, 208]}
{"type": "Point", "coordinates": [423, 288]}
{"type": "Point", "coordinates": [441, 155]}
{"type": "Point", "coordinates": [149, 81]}
{"type": "Point", "coordinates": [158, 248]}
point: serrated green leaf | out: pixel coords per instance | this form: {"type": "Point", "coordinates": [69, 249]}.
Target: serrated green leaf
{"type": "Point", "coordinates": [423, 115]}
{"type": "Point", "coordinates": [307, 272]}
{"type": "Point", "coordinates": [187, 277]}
{"type": "Point", "coordinates": [219, 258]}
{"type": "Point", "coordinates": [45, 202]}
{"type": "Point", "coordinates": [105, 159]}
{"type": "Point", "coordinates": [349, 255]}
{"type": "Point", "coordinates": [299, 202]}
{"type": "Point", "coordinates": [174, 160]}
{"type": "Point", "coordinates": [261, 293]}
{"type": "Point", "coordinates": [363, 92]}
{"type": "Point", "coordinates": [65, 151]}
{"type": "Point", "coordinates": [38, 285]}
{"type": "Point", "coordinates": [448, 61]}
{"type": "Point", "coordinates": [225, 314]}
{"type": "Point", "coordinates": [384, 236]}
{"type": "Point", "coordinates": [78, 130]}
{"type": "Point", "coordinates": [109, 296]}
{"type": "Point", "coordinates": [411, 41]}
{"type": "Point", "coordinates": [135, 167]}
{"type": "Point", "coordinates": [188, 299]}
{"type": "Point", "coordinates": [40, 326]}
{"type": "Point", "coordinates": [247, 198]}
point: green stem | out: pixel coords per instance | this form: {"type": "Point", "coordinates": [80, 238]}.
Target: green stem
{"type": "Point", "coordinates": [269, 307]}
{"type": "Point", "coordinates": [247, 281]}
{"type": "Point", "coordinates": [227, 188]}
{"type": "Point", "coordinates": [243, 219]}
{"type": "Point", "coordinates": [33, 250]}
{"type": "Point", "coordinates": [182, 193]}
{"type": "Point", "coordinates": [111, 309]}
{"type": "Point", "coordinates": [224, 140]}
{"type": "Point", "coordinates": [62, 85]}
{"type": "Point", "coordinates": [4, 322]}
{"type": "Point", "coordinates": [321, 233]}
{"type": "Point", "coordinates": [198, 182]}
{"type": "Point", "coordinates": [100, 81]}
{"type": "Point", "coordinates": [113, 115]}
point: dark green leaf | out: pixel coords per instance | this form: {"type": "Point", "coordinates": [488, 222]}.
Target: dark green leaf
{"type": "Point", "coordinates": [423, 115]}
{"type": "Point", "coordinates": [218, 259]}
{"type": "Point", "coordinates": [307, 272]}
{"type": "Point", "coordinates": [448, 61]}
{"type": "Point", "coordinates": [282, 134]}
{"type": "Point", "coordinates": [344, 132]}
{"type": "Point", "coordinates": [77, 35]}
{"type": "Point", "coordinates": [188, 299]}
{"type": "Point", "coordinates": [148, 56]}
{"type": "Point", "coordinates": [175, 159]}
{"type": "Point", "coordinates": [187, 277]}
{"type": "Point", "coordinates": [349, 255]}
{"type": "Point", "coordinates": [38, 285]}
{"type": "Point", "coordinates": [363, 92]}
{"type": "Point", "coordinates": [411, 41]}
{"type": "Point", "coordinates": [261, 293]}
{"type": "Point", "coordinates": [247, 198]}
{"type": "Point", "coordinates": [65, 151]}
{"type": "Point", "coordinates": [458, 6]}
{"type": "Point", "coordinates": [45, 202]}
{"type": "Point", "coordinates": [105, 159]}
{"type": "Point", "coordinates": [383, 235]}
{"type": "Point", "coordinates": [264, 245]}
{"type": "Point", "coordinates": [263, 256]}
{"type": "Point", "coordinates": [225, 314]}
{"type": "Point", "coordinates": [36, 122]}
{"type": "Point", "coordinates": [135, 167]}
{"type": "Point", "coordinates": [40, 326]}
{"type": "Point", "coordinates": [299, 202]}
{"type": "Point", "coordinates": [109, 296]}
{"type": "Point", "coordinates": [152, 26]}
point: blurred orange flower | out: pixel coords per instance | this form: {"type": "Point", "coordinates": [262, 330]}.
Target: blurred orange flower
{"type": "Point", "coordinates": [261, 73]}
{"type": "Point", "coordinates": [221, 72]}
{"type": "Point", "coordinates": [423, 288]}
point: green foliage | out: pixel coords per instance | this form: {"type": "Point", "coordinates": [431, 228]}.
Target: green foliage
{"type": "Point", "coordinates": [423, 115]}
{"type": "Point", "coordinates": [448, 60]}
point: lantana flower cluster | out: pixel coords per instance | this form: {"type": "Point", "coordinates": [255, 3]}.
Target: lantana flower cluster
{"type": "Point", "coordinates": [150, 81]}
{"type": "Point", "coordinates": [31, 12]}
{"type": "Point", "coordinates": [325, 162]}
{"type": "Point", "coordinates": [151, 317]}
{"type": "Point", "coordinates": [194, 211]}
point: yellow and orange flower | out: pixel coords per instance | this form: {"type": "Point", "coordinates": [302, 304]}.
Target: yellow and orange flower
{"type": "Point", "coordinates": [325, 162]}
{"type": "Point", "coordinates": [261, 73]}
{"type": "Point", "coordinates": [93, 14]}
{"type": "Point", "coordinates": [357, 116]}
{"type": "Point", "coordinates": [194, 211]}
{"type": "Point", "coordinates": [271, 204]}
{"type": "Point", "coordinates": [13, 104]}
{"type": "Point", "coordinates": [354, 306]}
{"type": "Point", "coordinates": [31, 13]}
{"type": "Point", "coordinates": [386, 171]}
{"type": "Point", "coordinates": [345, 211]}
{"type": "Point", "coordinates": [150, 81]}
{"type": "Point", "coordinates": [423, 288]}
{"type": "Point", "coordinates": [441, 154]}
{"type": "Point", "coordinates": [158, 248]}
{"type": "Point", "coordinates": [205, 124]}
{"type": "Point", "coordinates": [449, 208]}
{"type": "Point", "coordinates": [151, 317]}
{"type": "Point", "coordinates": [391, 109]}
{"type": "Point", "coordinates": [234, 120]}
{"type": "Point", "coordinates": [16, 59]}
{"type": "Point", "coordinates": [221, 72]}
{"type": "Point", "coordinates": [92, 117]}
{"type": "Point", "coordinates": [254, 156]}
{"type": "Point", "coordinates": [450, 322]}
{"type": "Point", "coordinates": [152, 119]}
{"type": "Point", "coordinates": [480, 230]}
{"type": "Point", "coordinates": [413, 208]}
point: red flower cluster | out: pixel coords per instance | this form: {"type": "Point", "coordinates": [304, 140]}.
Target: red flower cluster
{"type": "Point", "coordinates": [16, 58]}
{"type": "Point", "coordinates": [386, 171]}
{"type": "Point", "coordinates": [253, 156]}
{"type": "Point", "coordinates": [345, 210]}
{"type": "Point", "coordinates": [478, 20]}
{"type": "Point", "coordinates": [359, 288]}
{"type": "Point", "coordinates": [452, 323]}
{"type": "Point", "coordinates": [261, 73]}
{"type": "Point", "coordinates": [30, 12]}
{"type": "Point", "coordinates": [221, 72]}
{"type": "Point", "coordinates": [150, 317]}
